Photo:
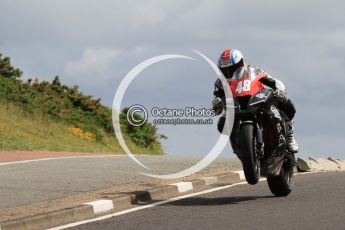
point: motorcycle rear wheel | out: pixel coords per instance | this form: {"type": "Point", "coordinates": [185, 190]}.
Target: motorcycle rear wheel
{"type": "Point", "coordinates": [282, 184]}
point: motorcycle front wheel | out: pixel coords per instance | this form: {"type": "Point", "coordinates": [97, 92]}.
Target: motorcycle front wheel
{"type": "Point", "coordinates": [250, 162]}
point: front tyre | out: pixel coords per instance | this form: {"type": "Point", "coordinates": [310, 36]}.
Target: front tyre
{"type": "Point", "coordinates": [282, 184]}
{"type": "Point", "coordinates": [250, 162]}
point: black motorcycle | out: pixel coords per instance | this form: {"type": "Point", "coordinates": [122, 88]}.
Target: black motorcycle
{"type": "Point", "coordinates": [258, 136]}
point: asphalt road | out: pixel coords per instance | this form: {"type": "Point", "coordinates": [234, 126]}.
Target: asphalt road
{"type": "Point", "coordinates": [317, 202]}
{"type": "Point", "coordinates": [39, 181]}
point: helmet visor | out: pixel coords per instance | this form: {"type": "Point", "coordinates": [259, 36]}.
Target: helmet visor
{"type": "Point", "coordinates": [230, 70]}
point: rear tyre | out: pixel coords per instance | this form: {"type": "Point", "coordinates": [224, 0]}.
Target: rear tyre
{"type": "Point", "coordinates": [251, 165]}
{"type": "Point", "coordinates": [281, 185]}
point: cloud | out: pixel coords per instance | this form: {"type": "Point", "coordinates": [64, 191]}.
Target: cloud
{"type": "Point", "coordinates": [93, 61]}
{"type": "Point", "coordinates": [299, 42]}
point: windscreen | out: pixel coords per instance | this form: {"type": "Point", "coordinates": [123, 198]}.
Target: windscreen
{"type": "Point", "coordinates": [250, 73]}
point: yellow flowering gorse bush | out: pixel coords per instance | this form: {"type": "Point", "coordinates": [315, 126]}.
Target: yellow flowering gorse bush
{"type": "Point", "coordinates": [84, 134]}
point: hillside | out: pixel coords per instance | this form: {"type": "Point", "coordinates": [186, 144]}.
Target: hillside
{"type": "Point", "coordinates": [42, 115]}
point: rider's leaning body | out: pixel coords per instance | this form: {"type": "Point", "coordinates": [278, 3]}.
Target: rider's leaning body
{"type": "Point", "coordinates": [232, 65]}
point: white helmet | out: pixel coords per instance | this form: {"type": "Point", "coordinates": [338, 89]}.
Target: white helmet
{"type": "Point", "coordinates": [229, 61]}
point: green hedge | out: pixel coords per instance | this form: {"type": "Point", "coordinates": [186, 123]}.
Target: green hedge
{"type": "Point", "coordinates": [68, 105]}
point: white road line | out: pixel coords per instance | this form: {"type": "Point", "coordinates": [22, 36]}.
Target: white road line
{"type": "Point", "coordinates": [210, 180]}
{"type": "Point", "coordinates": [184, 186]}
{"type": "Point", "coordinates": [153, 205]}
{"type": "Point", "coordinates": [57, 158]}
{"type": "Point", "coordinates": [145, 206]}
{"type": "Point", "coordinates": [101, 205]}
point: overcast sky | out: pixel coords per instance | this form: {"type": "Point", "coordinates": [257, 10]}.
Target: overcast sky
{"type": "Point", "coordinates": [94, 44]}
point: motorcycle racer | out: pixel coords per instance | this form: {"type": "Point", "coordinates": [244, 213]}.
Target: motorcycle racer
{"type": "Point", "coordinates": [232, 65]}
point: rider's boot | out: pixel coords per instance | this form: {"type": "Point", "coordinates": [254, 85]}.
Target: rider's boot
{"type": "Point", "coordinates": [290, 138]}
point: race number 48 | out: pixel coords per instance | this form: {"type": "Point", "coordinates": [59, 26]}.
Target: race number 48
{"type": "Point", "coordinates": [243, 86]}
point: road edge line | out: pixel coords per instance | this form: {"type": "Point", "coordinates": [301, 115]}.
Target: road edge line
{"type": "Point", "coordinates": [117, 203]}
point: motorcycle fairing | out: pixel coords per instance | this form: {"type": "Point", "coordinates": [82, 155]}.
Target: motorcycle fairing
{"type": "Point", "coordinates": [238, 88]}
{"type": "Point", "coordinates": [261, 97]}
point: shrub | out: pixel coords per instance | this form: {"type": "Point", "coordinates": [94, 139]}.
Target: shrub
{"type": "Point", "coordinates": [69, 106]}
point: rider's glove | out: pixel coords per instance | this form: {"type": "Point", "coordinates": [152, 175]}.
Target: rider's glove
{"type": "Point", "coordinates": [279, 85]}
{"type": "Point", "coordinates": [218, 88]}
{"type": "Point", "coordinates": [217, 105]}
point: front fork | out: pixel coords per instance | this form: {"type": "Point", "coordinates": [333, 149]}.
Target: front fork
{"type": "Point", "coordinates": [260, 145]}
